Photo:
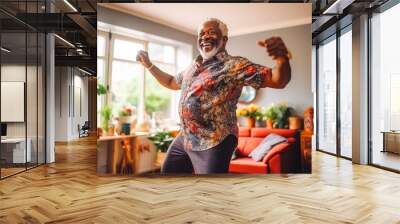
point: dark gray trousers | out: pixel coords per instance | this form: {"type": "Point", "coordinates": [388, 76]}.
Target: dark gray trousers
{"type": "Point", "coordinates": [213, 160]}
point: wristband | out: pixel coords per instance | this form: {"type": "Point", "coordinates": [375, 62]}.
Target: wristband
{"type": "Point", "coordinates": [149, 68]}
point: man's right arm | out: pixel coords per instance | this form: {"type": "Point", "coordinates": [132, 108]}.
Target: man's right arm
{"type": "Point", "coordinates": [163, 78]}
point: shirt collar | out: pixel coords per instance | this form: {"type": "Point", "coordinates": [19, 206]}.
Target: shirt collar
{"type": "Point", "coordinates": [220, 56]}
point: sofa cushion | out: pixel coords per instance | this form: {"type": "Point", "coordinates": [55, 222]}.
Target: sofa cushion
{"type": "Point", "coordinates": [262, 132]}
{"type": "Point", "coordinates": [263, 148]}
{"type": "Point", "coordinates": [247, 144]}
{"type": "Point", "coordinates": [247, 165]}
{"type": "Point", "coordinates": [244, 132]}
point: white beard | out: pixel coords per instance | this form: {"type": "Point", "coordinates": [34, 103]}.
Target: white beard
{"type": "Point", "coordinates": [210, 54]}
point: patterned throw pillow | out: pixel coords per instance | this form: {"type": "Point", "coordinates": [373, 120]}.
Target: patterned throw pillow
{"type": "Point", "coordinates": [267, 143]}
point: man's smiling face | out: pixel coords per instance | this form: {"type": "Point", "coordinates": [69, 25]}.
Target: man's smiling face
{"type": "Point", "coordinates": [210, 39]}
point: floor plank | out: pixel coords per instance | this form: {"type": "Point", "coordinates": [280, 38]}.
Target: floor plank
{"type": "Point", "coordinates": [70, 191]}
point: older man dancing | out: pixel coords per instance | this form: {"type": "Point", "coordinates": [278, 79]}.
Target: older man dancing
{"type": "Point", "coordinates": [211, 87]}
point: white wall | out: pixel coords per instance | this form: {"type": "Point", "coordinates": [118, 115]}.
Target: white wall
{"type": "Point", "coordinates": [34, 124]}
{"type": "Point", "coordinates": [12, 73]}
{"type": "Point", "coordinates": [298, 93]}
{"type": "Point", "coordinates": [69, 82]}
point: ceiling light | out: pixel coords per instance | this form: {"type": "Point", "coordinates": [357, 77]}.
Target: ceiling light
{"type": "Point", "coordinates": [84, 71]}
{"type": "Point", "coordinates": [5, 50]}
{"type": "Point", "coordinates": [64, 40]}
{"type": "Point", "coordinates": [70, 5]}
{"type": "Point", "coordinates": [338, 6]}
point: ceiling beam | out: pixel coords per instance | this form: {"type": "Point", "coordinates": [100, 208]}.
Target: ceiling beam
{"type": "Point", "coordinates": [84, 24]}
{"type": "Point", "coordinates": [77, 61]}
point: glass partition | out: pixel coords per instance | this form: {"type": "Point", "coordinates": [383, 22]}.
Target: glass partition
{"type": "Point", "coordinates": [327, 96]}
{"type": "Point", "coordinates": [22, 101]}
{"type": "Point", "coordinates": [14, 153]}
{"type": "Point", "coordinates": [346, 93]}
{"type": "Point", "coordinates": [385, 89]}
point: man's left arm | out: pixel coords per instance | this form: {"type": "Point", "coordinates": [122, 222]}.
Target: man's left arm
{"type": "Point", "coordinates": [280, 74]}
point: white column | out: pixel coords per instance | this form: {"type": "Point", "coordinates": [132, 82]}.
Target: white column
{"type": "Point", "coordinates": [50, 98]}
{"type": "Point", "coordinates": [360, 90]}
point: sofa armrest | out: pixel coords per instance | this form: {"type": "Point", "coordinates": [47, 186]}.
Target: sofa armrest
{"type": "Point", "coordinates": [291, 140]}
{"type": "Point", "coordinates": [277, 149]}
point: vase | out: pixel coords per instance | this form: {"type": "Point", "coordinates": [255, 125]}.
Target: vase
{"type": "Point", "coordinates": [126, 128]}
{"type": "Point", "coordinates": [250, 122]}
{"type": "Point", "coordinates": [294, 123]}
{"type": "Point", "coordinates": [260, 123]}
{"type": "Point", "coordinates": [110, 131]}
{"type": "Point", "coordinates": [269, 123]}
{"type": "Point", "coordinates": [309, 119]}
{"type": "Point", "coordinates": [99, 132]}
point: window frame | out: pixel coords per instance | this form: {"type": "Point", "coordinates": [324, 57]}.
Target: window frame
{"type": "Point", "coordinates": [334, 37]}
{"type": "Point", "coordinates": [109, 59]}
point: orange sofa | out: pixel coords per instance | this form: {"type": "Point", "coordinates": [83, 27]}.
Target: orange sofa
{"type": "Point", "coordinates": [282, 158]}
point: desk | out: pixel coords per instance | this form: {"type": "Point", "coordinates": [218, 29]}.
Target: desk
{"type": "Point", "coordinates": [13, 150]}
{"type": "Point", "coordinates": [391, 141]}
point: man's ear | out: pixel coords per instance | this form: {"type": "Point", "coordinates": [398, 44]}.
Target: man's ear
{"type": "Point", "coordinates": [225, 38]}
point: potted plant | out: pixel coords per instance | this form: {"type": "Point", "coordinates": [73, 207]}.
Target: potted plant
{"type": "Point", "coordinates": [251, 113]}
{"type": "Point", "coordinates": [270, 115]}
{"type": "Point", "coordinates": [283, 113]}
{"type": "Point", "coordinates": [101, 89]}
{"type": "Point", "coordinates": [260, 120]}
{"type": "Point", "coordinates": [162, 140]}
{"type": "Point", "coordinates": [125, 119]}
{"type": "Point", "coordinates": [106, 113]}
{"type": "Point", "coordinates": [277, 115]}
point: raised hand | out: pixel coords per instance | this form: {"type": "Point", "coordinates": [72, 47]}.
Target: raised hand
{"type": "Point", "coordinates": [143, 58]}
{"type": "Point", "coordinates": [276, 48]}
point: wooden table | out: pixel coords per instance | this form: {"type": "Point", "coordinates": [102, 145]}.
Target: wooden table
{"type": "Point", "coordinates": [118, 154]}
{"type": "Point", "coordinates": [391, 141]}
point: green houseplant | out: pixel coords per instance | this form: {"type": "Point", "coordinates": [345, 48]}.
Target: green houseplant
{"type": "Point", "coordinates": [270, 115]}
{"type": "Point", "coordinates": [277, 115]}
{"type": "Point", "coordinates": [106, 113]}
{"type": "Point", "coordinates": [101, 89]}
{"type": "Point", "coordinates": [162, 140]}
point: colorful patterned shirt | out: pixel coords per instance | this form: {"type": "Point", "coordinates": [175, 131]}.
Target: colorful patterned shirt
{"type": "Point", "coordinates": [210, 93]}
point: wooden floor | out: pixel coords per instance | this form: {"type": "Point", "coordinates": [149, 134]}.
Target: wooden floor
{"type": "Point", "coordinates": [69, 191]}
{"type": "Point", "coordinates": [387, 159]}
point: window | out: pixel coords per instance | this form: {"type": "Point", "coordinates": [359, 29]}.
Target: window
{"type": "Point", "coordinates": [126, 73]}
{"type": "Point", "coordinates": [394, 101]}
{"type": "Point", "coordinates": [346, 94]}
{"type": "Point", "coordinates": [385, 87]}
{"type": "Point", "coordinates": [102, 44]}
{"type": "Point", "coordinates": [158, 98]}
{"type": "Point", "coordinates": [327, 96]}
{"type": "Point", "coordinates": [129, 83]}
{"type": "Point", "coordinates": [335, 107]}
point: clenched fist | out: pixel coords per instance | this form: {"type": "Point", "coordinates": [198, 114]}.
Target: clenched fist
{"type": "Point", "coordinates": [275, 48]}
{"type": "Point", "coordinates": [143, 58]}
